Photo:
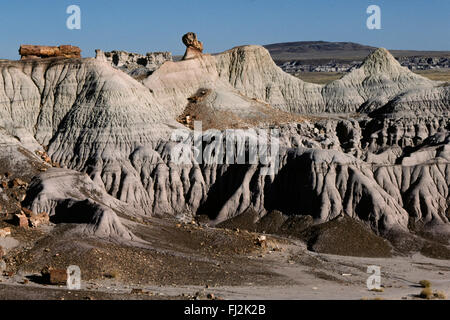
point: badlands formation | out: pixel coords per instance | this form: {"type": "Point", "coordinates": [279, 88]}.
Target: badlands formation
{"type": "Point", "coordinates": [95, 145]}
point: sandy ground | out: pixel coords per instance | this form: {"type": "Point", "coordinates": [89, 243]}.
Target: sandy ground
{"type": "Point", "coordinates": [193, 262]}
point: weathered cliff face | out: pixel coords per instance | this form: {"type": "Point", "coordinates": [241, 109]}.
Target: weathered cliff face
{"type": "Point", "coordinates": [380, 78]}
{"type": "Point", "coordinates": [90, 116]}
{"type": "Point", "coordinates": [251, 70]}
{"type": "Point", "coordinates": [71, 197]}
{"type": "Point", "coordinates": [389, 168]}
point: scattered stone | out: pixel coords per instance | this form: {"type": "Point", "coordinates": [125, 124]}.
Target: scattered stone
{"type": "Point", "coordinates": [1, 252]}
{"type": "Point", "coordinates": [39, 219]}
{"type": "Point", "coordinates": [5, 232]}
{"type": "Point", "coordinates": [54, 276]}
{"type": "Point", "coordinates": [17, 182]}
{"type": "Point", "coordinates": [2, 266]}
{"type": "Point", "coordinates": [137, 291]}
{"type": "Point", "coordinates": [20, 220]}
{"type": "Point", "coordinates": [261, 241]}
{"type": "Point", "coordinates": [44, 156]}
{"type": "Point", "coordinates": [8, 274]}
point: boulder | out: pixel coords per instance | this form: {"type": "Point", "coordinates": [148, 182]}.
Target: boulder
{"type": "Point", "coordinates": [5, 232]}
{"type": "Point", "coordinates": [21, 220]}
{"type": "Point", "coordinates": [194, 48]}
{"type": "Point", "coordinates": [54, 276]}
{"type": "Point", "coordinates": [39, 219]}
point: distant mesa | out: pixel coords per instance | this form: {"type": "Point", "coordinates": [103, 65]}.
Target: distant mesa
{"type": "Point", "coordinates": [35, 52]}
{"type": "Point", "coordinates": [194, 48]}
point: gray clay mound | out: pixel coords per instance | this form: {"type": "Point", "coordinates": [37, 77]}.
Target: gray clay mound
{"type": "Point", "coordinates": [347, 237]}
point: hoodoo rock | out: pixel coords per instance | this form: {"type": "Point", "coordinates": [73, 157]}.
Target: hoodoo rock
{"type": "Point", "coordinates": [32, 51]}
{"type": "Point", "coordinates": [194, 48]}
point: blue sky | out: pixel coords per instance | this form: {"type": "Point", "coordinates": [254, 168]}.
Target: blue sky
{"type": "Point", "coordinates": [147, 25]}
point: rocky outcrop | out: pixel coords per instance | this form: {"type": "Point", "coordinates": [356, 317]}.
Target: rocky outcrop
{"type": "Point", "coordinates": [251, 71]}
{"type": "Point", "coordinates": [65, 51]}
{"type": "Point", "coordinates": [136, 65]}
{"type": "Point", "coordinates": [71, 197]}
{"type": "Point", "coordinates": [194, 48]}
{"type": "Point", "coordinates": [85, 112]}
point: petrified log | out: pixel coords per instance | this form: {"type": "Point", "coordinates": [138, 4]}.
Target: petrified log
{"type": "Point", "coordinates": [32, 51]}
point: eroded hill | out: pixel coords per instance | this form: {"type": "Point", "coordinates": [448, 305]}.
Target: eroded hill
{"type": "Point", "coordinates": [373, 146]}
